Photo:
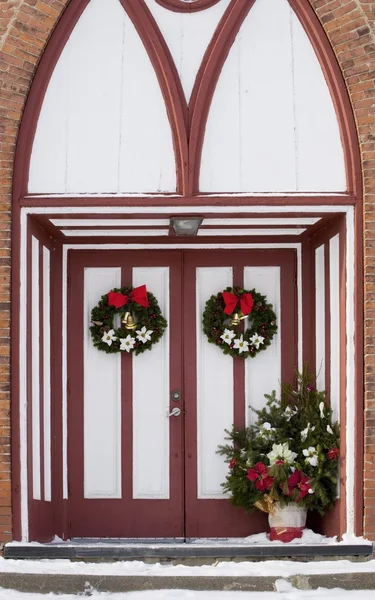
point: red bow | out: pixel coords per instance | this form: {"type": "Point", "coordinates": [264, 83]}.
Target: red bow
{"type": "Point", "coordinates": [138, 295]}
{"type": "Point", "coordinates": [231, 301]}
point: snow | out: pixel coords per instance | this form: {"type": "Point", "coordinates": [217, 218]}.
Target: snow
{"type": "Point", "coordinates": [285, 591]}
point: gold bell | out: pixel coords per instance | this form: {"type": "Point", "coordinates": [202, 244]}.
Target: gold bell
{"type": "Point", "coordinates": [235, 320]}
{"type": "Point", "coordinates": [128, 321]}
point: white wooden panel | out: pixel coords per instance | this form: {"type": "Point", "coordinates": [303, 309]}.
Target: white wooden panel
{"type": "Point", "coordinates": [103, 124]}
{"type": "Point", "coordinates": [48, 172]}
{"type": "Point", "coordinates": [151, 399]}
{"type": "Point", "coordinates": [280, 130]}
{"type": "Point", "coordinates": [35, 348]}
{"type": "Point", "coordinates": [334, 305]}
{"type": "Point", "coordinates": [215, 408]}
{"type": "Point", "coordinates": [147, 161]}
{"type": "Point", "coordinates": [252, 148]}
{"type": "Point", "coordinates": [320, 325]}
{"type": "Point", "coordinates": [102, 398]}
{"type": "Point", "coordinates": [250, 232]}
{"type": "Point", "coordinates": [187, 36]}
{"type": "Point", "coordinates": [47, 373]}
{"type": "Point", "coordinates": [115, 232]}
{"type": "Point", "coordinates": [263, 372]}
{"type": "Point", "coordinates": [319, 152]}
{"type": "Point", "coordinates": [93, 111]}
{"type": "Point", "coordinates": [115, 222]}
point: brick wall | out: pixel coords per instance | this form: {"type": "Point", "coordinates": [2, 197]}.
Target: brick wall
{"type": "Point", "coordinates": [25, 27]}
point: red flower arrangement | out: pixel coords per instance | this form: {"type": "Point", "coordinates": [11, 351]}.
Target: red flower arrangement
{"type": "Point", "coordinates": [259, 474]}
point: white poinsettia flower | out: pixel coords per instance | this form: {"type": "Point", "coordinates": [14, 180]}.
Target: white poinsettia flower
{"type": "Point", "coordinates": [265, 429]}
{"type": "Point", "coordinates": [282, 453]}
{"type": "Point", "coordinates": [228, 336]}
{"type": "Point", "coordinates": [241, 345]}
{"type": "Point", "coordinates": [329, 429]}
{"type": "Point", "coordinates": [305, 432]}
{"type": "Point", "coordinates": [321, 408]}
{"type": "Point", "coordinates": [311, 455]}
{"type": "Point", "coordinates": [143, 335]}
{"type": "Point", "coordinates": [256, 340]}
{"type": "Point", "coordinates": [127, 343]}
{"type": "Point", "coordinates": [109, 337]}
{"type": "Point", "coordinates": [289, 412]}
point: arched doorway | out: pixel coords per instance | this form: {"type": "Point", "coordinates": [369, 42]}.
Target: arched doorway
{"type": "Point", "coordinates": [103, 171]}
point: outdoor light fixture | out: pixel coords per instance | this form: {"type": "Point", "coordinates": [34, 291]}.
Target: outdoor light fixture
{"type": "Point", "coordinates": [186, 225]}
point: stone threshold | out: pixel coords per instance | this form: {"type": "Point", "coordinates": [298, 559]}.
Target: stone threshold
{"type": "Point", "coordinates": [183, 552]}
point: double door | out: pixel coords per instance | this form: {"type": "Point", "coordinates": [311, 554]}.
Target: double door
{"type": "Point", "coordinates": [136, 469]}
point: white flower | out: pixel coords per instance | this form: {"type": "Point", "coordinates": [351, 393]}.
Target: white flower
{"type": "Point", "coordinates": [289, 412]}
{"type": "Point", "coordinates": [127, 343]}
{"type": "Point", "coordinates": [228, 336]}
{"type": "Point", "coordinates": [241, 345]}
{"type": "Point", "coordinates": [265, 429]}
{"type": "Point", "coordinates": [306, 432]}
{"type": "Point", "coordinates": [256, 340]}
{"type": "Point", "coordinates": [281, 452]}
{"type": "Point", "coordinates": [329, 429]}
{"type": "Point", "coordinates": [321, 408]}
{"type": "Point", "coordinates": [109, 337]}
{"type": "Point", "coordinates": [311, 456]}
{"type": "Point", "coordinates": [144, 335]}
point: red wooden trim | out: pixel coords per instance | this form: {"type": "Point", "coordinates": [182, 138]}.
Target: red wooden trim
{"type": "Point", "coordinates": [327, 317]}
{"type": "Point", "coordinates": [339, 94]}
{"type": "Point", "coordinates": [126, 406]}
{"type": "Point", "coordinates": [59, 504]}
{"type": "Point", "coordinates": [308, 305]}
{"type": "Point", "coordinates": [239, 397]}
{"type": "Point", "coordinates": [169, 81]}
{"type": "Point", "coordinates": [75, 366]}
{"type": "Point", "coordinates": [201, 200]}
{"type": "Point", "coordinates": [37, 92]}
{"type": "Point", "coordinates": [206, 81]}
{"type": "Point", "coordinates": [41, 371]}
{"type": "Point", "coordinates": [181, 6]}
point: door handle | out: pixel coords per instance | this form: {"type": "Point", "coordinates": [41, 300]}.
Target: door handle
{"type": "Point", "coordinates": [175, 412]}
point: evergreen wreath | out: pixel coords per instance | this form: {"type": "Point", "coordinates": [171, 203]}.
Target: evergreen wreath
{"type": "Point", "coordinates": [250, 304]}
{"type": "Point", "coordinates": [144, 309]}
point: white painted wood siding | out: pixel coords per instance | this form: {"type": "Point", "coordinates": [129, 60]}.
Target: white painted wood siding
{"type": "Point", "coordinates": [215, 408]}
{"type": "Point", "coordinates": [263, 373]}
{"type": "Point", "coordinates": [320, 324]}
{"type": "Point", "coordinates": [334, 307]}
{"type": "Point", "coordinates": [102, 398]}
{"type": "Point", "coordinates": [187, 36]}
{"type": "Point", "coordinates": [35, 361]}
{"type": "Point", "coordinates": [47, 372]}
{"type": "Point", "coordinates": [103, 127]}
{"type": "Point", "coordinates": [151, 399]}
{"type": "Point", "coordinates": [272, 126]}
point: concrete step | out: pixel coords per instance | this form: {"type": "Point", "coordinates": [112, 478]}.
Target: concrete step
{"type": "Point", "coordinates": [85, 584]}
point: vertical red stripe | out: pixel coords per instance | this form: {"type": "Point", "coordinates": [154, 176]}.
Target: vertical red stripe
{"type": "Point", "coordinates": [41, 370]}
{"type": "Point", "coordinates": [239, 366]}
{"type": "Point", "coordinates": [126, 407]}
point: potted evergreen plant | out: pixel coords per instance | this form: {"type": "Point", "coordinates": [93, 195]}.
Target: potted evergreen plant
{"type": "Point", "coordinates": [287, 462]}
